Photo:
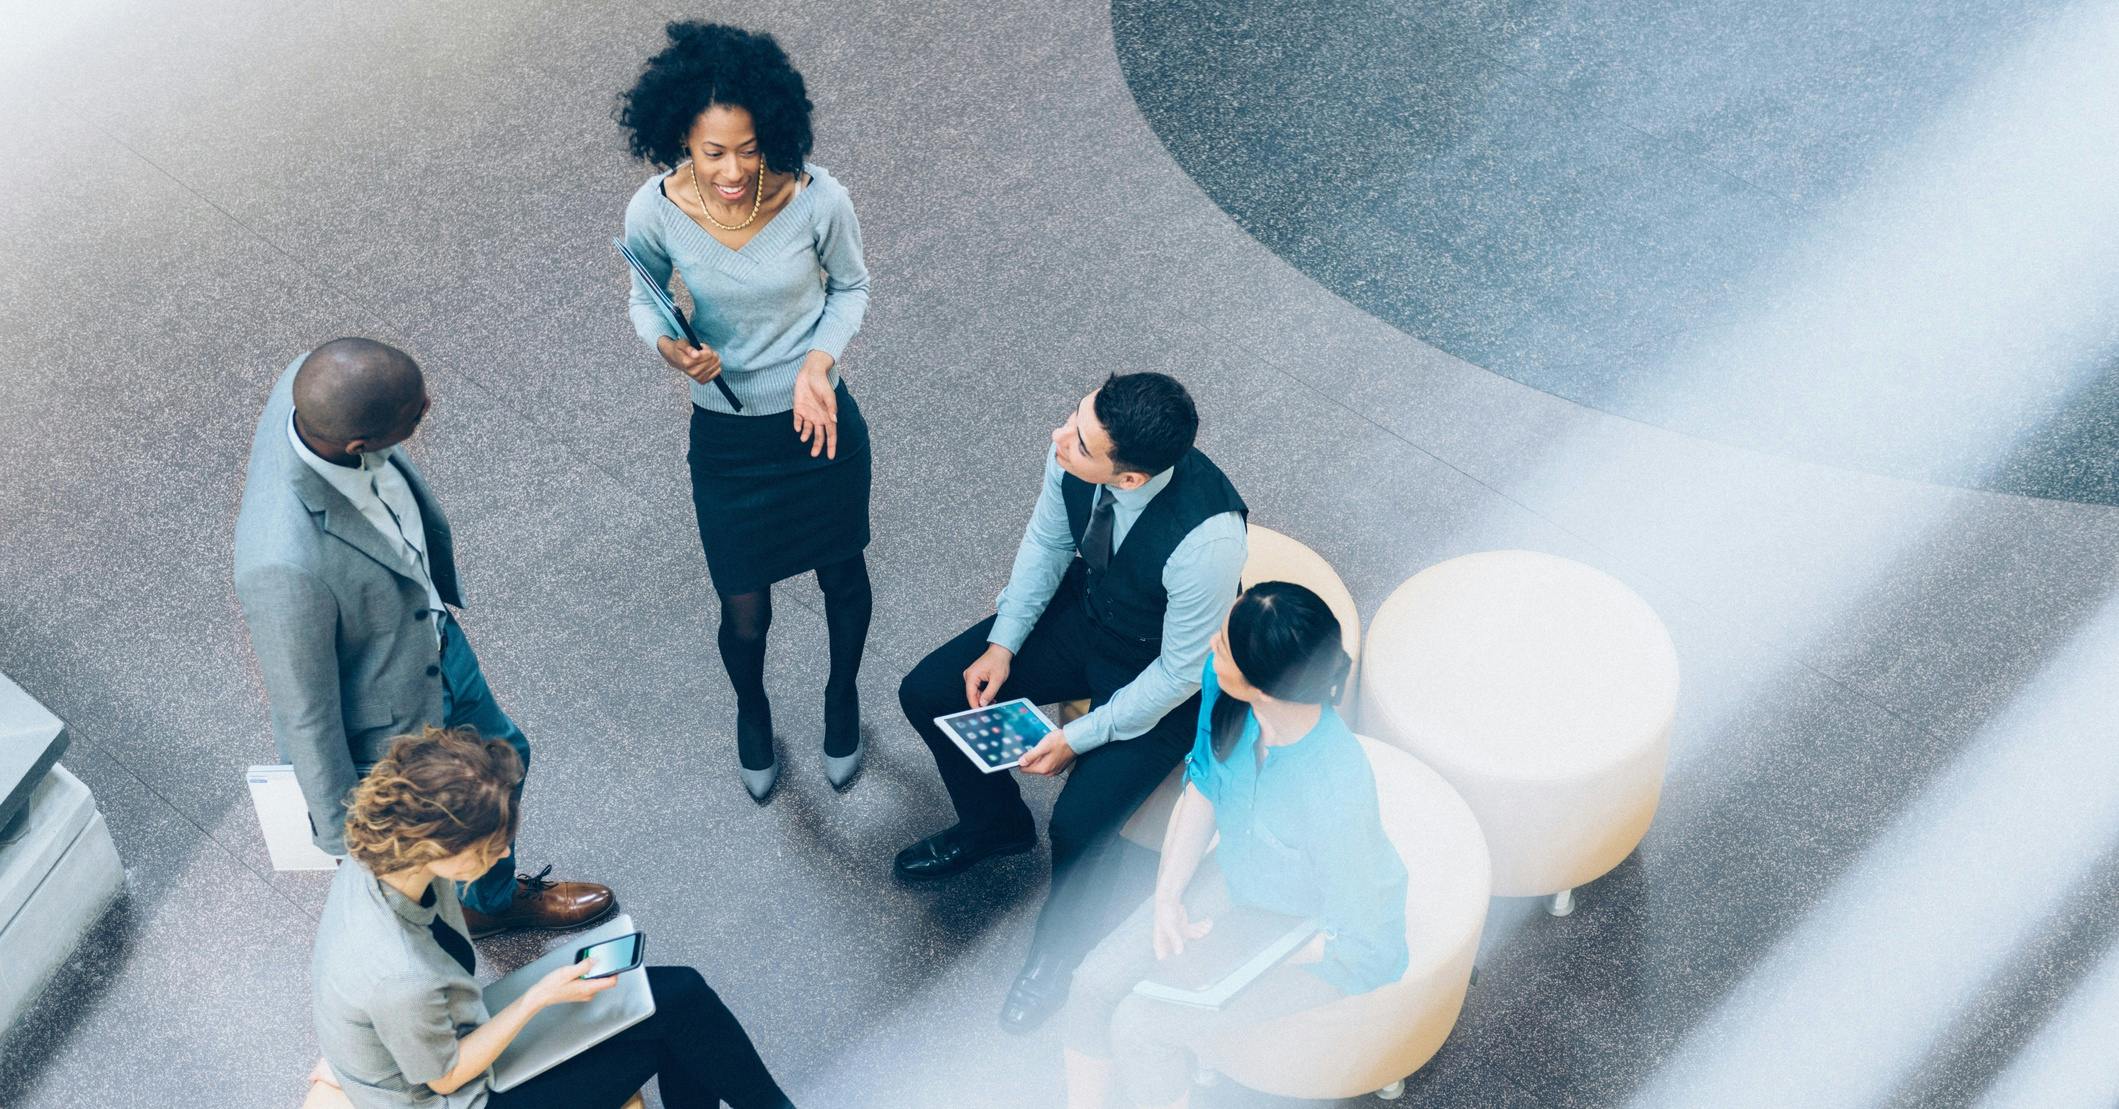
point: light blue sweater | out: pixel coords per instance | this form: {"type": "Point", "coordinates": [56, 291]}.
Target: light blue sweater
{"type": "Point", "coordinates": [799, 285]}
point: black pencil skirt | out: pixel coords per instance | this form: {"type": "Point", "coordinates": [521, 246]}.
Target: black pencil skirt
{"type": "Point", "coordinates": [769, 511]}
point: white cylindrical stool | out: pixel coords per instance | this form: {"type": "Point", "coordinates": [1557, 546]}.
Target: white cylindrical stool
{"type": "Point", "coordinates": [1272, 556]}
{"type": "Point", "coordinates": [1543, 690]}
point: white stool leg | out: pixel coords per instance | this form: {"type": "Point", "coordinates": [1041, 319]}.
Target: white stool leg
{"type": "Point", "coordinates": [1562, 903]}
{"type": "Point", "coordinates": [1392, 1092]}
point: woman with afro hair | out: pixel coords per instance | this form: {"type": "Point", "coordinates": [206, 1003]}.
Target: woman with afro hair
{"type": "Point", "coordinates": [769, 249]}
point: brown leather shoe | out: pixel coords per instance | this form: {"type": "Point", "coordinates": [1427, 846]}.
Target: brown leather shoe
{"type": "Point", "coordinates": [544, 905]}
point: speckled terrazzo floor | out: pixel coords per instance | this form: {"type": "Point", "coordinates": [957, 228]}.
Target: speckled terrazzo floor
{"type": "Point", "coordinates": [1862, 236]}
{"type": "Point", "coordinates": [1883, 872]}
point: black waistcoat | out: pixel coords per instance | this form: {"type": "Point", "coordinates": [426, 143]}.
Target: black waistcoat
{"type": "Point", "coordinates": [1128, 599]}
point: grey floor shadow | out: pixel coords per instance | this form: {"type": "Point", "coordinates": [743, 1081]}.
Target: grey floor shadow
{"type": "Point", "coordinates": [50, 1022]}
{"type": "Point", "coordinates": [2021, 998]}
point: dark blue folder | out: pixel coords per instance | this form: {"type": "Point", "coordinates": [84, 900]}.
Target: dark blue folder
{"type": "Point", "coordinates": [670, 311]}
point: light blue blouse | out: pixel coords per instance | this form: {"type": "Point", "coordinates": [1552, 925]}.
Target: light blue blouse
{"type": "Point", "coordinates": [1301, 835]}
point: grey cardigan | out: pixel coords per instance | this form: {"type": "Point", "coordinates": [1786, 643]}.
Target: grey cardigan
{"type": "Point", "coordinates": [337, 616]}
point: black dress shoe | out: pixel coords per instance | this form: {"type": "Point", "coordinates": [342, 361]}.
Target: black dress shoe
{"type": "Point", "coordinates": [1039, 991]}
{"type": "Point", "coordinates": [951, 850]}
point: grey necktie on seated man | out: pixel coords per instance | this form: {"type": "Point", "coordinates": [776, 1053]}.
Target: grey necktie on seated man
{"type": "Point", "coordinates": [1096, 538]}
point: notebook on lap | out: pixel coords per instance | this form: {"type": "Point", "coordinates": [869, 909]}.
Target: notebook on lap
{"type": "Point", "coordinates": [1242, 945]}
{"type": "Point", "coordinates": [563, 1031]}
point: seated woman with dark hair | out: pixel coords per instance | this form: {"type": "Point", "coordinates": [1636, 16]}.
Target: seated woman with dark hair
{"type": "Point", "coordinates": [1275, 772]}
{"type": "Point", "coordinates": [402, 1021]}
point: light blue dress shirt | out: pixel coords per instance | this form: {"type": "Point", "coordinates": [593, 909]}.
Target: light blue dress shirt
{"type": "Point", "coordinates": [1301, 835]}
{"type": "Point", "coordinates": [1201, 578]}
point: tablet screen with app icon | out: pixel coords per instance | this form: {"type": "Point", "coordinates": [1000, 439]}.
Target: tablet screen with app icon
{"type": "Point", "coordinates": [997, 736]}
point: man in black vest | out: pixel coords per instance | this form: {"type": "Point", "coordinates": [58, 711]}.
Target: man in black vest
{"type": "Point", "coordinates": [1129, 564]}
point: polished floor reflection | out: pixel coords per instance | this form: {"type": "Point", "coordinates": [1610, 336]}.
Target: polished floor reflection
{"type": "Point", "coordinates": [1833, 291]}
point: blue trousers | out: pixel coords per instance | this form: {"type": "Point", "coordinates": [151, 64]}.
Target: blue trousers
{"type": "Point", "coordinates": [466, 700]}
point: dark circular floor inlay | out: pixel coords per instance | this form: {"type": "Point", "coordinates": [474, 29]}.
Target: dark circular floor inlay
{"type": "Point", "coordinates": [1688, 215]}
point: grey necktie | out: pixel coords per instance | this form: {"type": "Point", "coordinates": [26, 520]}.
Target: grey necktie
{"type": "Point", "coordinates": [1096, 539]}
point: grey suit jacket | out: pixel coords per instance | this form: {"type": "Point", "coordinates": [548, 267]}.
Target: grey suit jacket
{"type": "Point", "coordinates": [337, 616]}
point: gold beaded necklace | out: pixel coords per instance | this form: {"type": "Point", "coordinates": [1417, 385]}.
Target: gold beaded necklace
{"type": "Point", "coordinates": [757, 200]}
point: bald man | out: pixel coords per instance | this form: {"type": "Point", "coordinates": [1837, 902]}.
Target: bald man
{"type": "Point", "coordinates": [346, 572]}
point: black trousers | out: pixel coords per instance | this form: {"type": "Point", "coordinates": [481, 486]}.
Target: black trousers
{"type": "Point", "coordinates": [693, 1047]}
{"type": "Point", "coordinates": [1065, 658]}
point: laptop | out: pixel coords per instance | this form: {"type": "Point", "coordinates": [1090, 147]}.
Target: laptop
{"type": "Point", "coordinates": [561, 1032]}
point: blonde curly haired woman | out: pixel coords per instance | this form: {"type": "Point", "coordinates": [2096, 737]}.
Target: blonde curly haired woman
{"type": "Point", "coordinates": [403, 1022]}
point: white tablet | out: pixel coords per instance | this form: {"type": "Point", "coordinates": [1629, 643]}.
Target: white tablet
{"type": "Point", "coordinates": [997, 736]}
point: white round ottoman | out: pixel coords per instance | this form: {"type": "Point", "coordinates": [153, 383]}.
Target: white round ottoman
{"type": "Point", "coordinates": [1543, 690]}
{"type": "Point", "coordinates": [1373, 1041]}
{"type": "Point", "coordinates": [1270, 556]}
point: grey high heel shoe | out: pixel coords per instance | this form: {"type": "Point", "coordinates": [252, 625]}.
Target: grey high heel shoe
{"type": "Point", "coordinates": [843, 769]}
{"type": "Point", "coordinates": [842, 714]}
{"type": "Point", "coordinates": [760, 783]}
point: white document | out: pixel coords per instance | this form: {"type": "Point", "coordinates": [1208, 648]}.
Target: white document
{"type": "Point", "coordinates": [283, 815]}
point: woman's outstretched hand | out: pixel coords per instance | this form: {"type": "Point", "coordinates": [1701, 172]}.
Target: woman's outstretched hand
{"type": "Point", "coordinates": [817, 407]}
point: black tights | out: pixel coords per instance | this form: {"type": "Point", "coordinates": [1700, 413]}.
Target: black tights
{"type": "Point", "coordinates": [746, 617]}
